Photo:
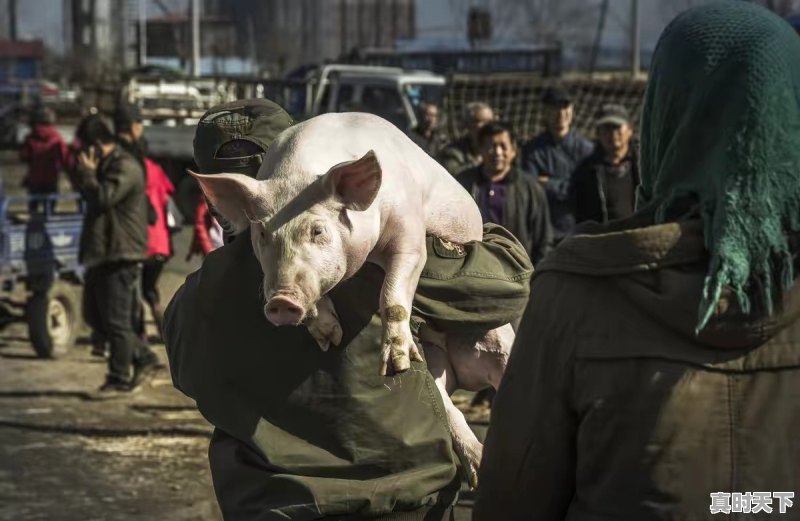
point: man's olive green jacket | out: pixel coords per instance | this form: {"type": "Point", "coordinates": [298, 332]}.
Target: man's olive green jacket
{"type": "Point", "coordinates": [613, 409]}
{"type": "Point", "coordinates": [304, 433]}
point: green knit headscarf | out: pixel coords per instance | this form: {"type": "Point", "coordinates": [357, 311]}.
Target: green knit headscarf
{"type": "Point", "coordinates": [721, 135]}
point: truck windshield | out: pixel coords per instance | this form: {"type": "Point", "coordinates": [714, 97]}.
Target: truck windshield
{"type": "Point", "coordinates": [418, 93]}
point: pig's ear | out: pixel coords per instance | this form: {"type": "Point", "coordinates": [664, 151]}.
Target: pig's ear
{"type": "Point", "coordinates": [236, 197]}
{"type": "Point", "coordinates": [356, 183]}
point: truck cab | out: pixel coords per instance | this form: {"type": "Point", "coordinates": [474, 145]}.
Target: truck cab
{"type": "Point", "coordinates": [389, 92]}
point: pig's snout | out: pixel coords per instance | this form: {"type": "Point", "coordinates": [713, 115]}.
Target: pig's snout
{"type": "Point", "coordinates": [282, 311]}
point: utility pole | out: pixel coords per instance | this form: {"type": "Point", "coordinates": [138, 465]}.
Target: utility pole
{"type": "Point", "coordinates": [12, 19]}
{"type": "Point", "coordinates": [598, 36]}
{"type": "Point", "coordinates": [142, 32]}
{"type": "Point", "coordinates": [635, 38]}
{"type": "Point", "coordinates": [195, 4]}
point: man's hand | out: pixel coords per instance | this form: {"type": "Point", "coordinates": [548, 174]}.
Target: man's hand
{"type": "Point", "coordinates": [87, 160]}
{"type": "Point", "coordinates": [544, 179]}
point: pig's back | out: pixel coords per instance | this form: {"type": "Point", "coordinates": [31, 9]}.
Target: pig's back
{"type": "Point", "coordinates": [412, 180]}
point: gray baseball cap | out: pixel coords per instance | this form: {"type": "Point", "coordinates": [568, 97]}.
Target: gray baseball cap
{"type": "Point", "coordinates": [256, 120]}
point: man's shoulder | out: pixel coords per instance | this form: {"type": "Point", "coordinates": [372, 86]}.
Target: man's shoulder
{"type": "Point", "coordinates": [580, 145]}
{"type": "Point", "coordinates": [125, 161]}
{"type": "Point", "coordinates": [537, 142]}
{"type": "Point", "coordinates": [469, 176]}
{"type": "Point", "coordinates": [457, 146]}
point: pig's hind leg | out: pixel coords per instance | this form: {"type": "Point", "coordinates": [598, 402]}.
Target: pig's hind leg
{"type": "Point", "coordinates": [479, 359]}
{"type": "Point", "coordinates": [465, 444]}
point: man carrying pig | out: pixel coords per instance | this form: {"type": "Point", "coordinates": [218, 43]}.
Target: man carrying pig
{"type": "Point", "coordinates": [306, 434]}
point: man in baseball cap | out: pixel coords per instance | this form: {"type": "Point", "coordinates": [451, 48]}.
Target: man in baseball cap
{"type": "Point", "coordinates": [306, 434]}
{"type": "Point", "coordinates": [604, 185]}
{"type": "Point", "coordinates": [553, 156]}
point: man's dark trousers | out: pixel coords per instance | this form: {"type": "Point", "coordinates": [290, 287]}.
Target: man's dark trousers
{"type": "Point", "coordinates": [110, 304]}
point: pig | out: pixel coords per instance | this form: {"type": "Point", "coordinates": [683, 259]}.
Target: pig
{"type": "Point", "coordinates": [343, 189]}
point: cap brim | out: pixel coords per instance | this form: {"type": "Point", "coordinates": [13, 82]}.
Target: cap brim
{"type": "Point", "coordinates": [612, 120]}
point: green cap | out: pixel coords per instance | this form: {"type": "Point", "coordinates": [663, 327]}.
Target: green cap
{"type": "Point", "coordinates": [256, 120]}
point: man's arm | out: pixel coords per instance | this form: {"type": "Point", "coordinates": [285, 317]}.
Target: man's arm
{"type": "Point", "coordinates": [115, 185]}
{"type": "Point", "coordinates": [539, 225]}
{"type": "Point", "coordinates": [480, 285]}
{"type": "Point", "coordinates": [528, 467]}
{"type": "Point", "coordinates": [452, 160]}
{"type": "Point", "coordinates": [238, 474]}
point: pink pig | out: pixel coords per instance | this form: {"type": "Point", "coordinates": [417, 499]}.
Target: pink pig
{"type": "Point", "coordinates": [340, 190]}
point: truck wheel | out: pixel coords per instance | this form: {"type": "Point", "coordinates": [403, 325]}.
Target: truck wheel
{"type": "Point", "coordinates": [54, 318]}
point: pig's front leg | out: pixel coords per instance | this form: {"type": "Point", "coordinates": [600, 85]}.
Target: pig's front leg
{"type": "Point", "coordinates": [403, 269]}
{"type": "Point", "coordinates": [325, 326]}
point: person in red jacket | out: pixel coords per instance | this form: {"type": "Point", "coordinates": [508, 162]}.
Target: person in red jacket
{"type": "Point", "coordinates": [208, 233]}
{"type": "Point", "coordinates": [45, 153]}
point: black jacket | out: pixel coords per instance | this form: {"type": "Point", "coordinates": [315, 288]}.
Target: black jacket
{"type": "Point", "coordinates": [525, 213]}
{"type": "Point", "coordinates": [605, 192]}
{"type": "Point", "coordinates": [115, 227]}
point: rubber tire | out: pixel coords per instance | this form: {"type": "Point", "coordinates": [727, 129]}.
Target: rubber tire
{"type": "Point", "coordinates": [65, 298]}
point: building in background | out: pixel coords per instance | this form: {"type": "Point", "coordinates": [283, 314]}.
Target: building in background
{"type": "Point", "coordinates": [103, 34]}
{"type": "Point", "coordinates": [281, 35]}
{"type": "Point", "coordinates": [20, 60]}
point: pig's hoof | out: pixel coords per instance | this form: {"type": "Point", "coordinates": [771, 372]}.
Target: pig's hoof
{"type": "Point", "coordinates": [399, 350]}
{"type": "Point", "coordinates": [469, 455]}
{"type": "Point", "coordinates": [325, 327]}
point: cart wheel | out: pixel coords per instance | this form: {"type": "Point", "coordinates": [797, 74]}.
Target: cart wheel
{"type": "Point", "coordinates": [53, 319]}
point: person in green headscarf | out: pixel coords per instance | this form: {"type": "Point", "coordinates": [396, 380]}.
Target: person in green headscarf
{"type": "Point", "coordinates": [658, 362]}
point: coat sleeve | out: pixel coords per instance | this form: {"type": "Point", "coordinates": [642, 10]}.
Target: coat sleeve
{"type": "Point", "coordinates": [202, 241]}
{"type": "Point", "coordinates": [115, 185]}
{"type": "Point", "coordinates": [452, 160]}
{"type": "Point", "coordinates": [528, 467]}
{"type": "Point", "coordinates": [539, 225]}
{"type": "Point", "coordinates": [239, 475]}
{"type": "Point", "coordinates": [527, 162]}
{"type": "Point", "coordinates": [479, 285]}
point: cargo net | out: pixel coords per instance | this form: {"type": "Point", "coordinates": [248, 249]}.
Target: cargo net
{"type": "Point", "coordinates": [517, 100]}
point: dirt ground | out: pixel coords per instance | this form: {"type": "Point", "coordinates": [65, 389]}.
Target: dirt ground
{"type": "Point", "coordinates": [65, 456]}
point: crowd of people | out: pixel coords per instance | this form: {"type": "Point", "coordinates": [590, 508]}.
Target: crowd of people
{"type": "Point", "coordinates": [655, 369]}
{"type": "Point", "coordinates": [541, 189]}
{"type": "Point", "coordinates": [127, 230]}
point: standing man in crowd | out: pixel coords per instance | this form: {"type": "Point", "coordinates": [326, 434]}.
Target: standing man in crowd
{"type": "Point", "coordinates": [427, 133]}
{"type": "Point", "coordinates": [45, 153]}
{"type": "Point", "coordinates": [113, 245]}
{"type": "Point", "coordinates": [656, 374]}
{"type": "Point", "coordinates": [129, 127]}
{"type": "Point", "coordinates": [306, 434]}
{"type": "Point", "coordinates": [464, 152]}
{"type": "Point", "coordinates": [505, 195]}
{"type": "Point", "coordinates": [605, 184]}
{"type": "Point", "coordinates": [553, 156]}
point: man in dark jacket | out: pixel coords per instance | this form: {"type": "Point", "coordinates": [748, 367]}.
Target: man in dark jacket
{"type": "Point", "coordinates": [464, 152]}
{"type": "Point", "coordinates": [427, 134]}
{"type": "Point", "coordinates": [505, 195]}
{"type": "Point", "coordinates": [305, 434]}
{"type": "Point", "coordinates": [113, 245]}
{"type": "Point", "coordinates": [605, 184]}
{"type": "Point", "coordinates": [553, 156]}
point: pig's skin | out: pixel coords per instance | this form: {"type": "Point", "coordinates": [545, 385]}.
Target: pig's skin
{"type": "Point", "coordinates": [297, 186]}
